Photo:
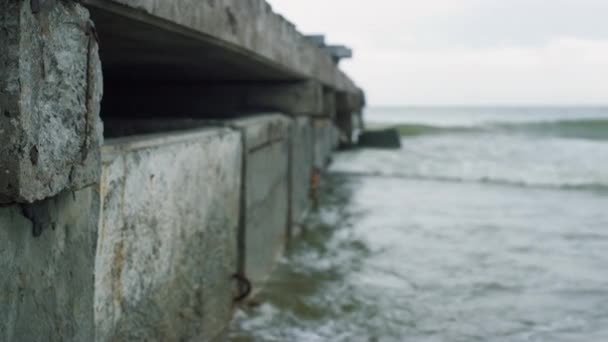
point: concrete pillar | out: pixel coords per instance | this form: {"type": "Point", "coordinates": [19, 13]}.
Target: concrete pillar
{"type": "Point", "coordinates": [50, 89]}
{"type": "Point", "coordinates": [167, 246]}
{"type": "Point", "coordinates": [348, 108]}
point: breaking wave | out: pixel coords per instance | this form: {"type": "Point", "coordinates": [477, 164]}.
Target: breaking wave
{"type": "Point", "coordinates": [490, 157]}
{"type": "Point", "coordinates": [589, 129]}
{"type": "Point", "coordinates": [583, 186]}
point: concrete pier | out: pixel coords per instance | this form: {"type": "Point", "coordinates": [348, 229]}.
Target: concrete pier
{"type": "Point", "coordinates": [155, 157]}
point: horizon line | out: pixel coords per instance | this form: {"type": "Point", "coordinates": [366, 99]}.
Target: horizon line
{"type": "Point", "coordinates": [532, 105]}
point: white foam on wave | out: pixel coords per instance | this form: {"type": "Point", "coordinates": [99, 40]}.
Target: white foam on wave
{"type": "Point", "coordinates": [489, 158]}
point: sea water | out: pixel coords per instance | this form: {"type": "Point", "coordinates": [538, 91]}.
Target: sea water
{"type": "Point", "coordinates": [489, 224]}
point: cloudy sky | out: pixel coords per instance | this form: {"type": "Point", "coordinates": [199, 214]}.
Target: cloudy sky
{"type": "Point", "coordinates": [443, 52]}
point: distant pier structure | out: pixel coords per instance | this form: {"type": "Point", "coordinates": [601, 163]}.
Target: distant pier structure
{"type": "Point", "coordinates": [155, 158]}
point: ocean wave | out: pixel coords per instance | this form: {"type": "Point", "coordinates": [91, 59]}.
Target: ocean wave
{"type": "Point", "coordinates": [590, 129]}
{"type": "Point", "coordinates": [591, 186]}
{"type": "Point", "coordinates": [409, 130]}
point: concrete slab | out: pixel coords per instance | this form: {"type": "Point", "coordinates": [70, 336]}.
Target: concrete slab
{"type": "Point", "coordinates": [317, 39]}
{"type": "Point", "coordinates": [208, 40]}
{"type": "Point", "coordinates": [167, 244]}
{"type": "Point", "coordinates": [302, 154]}
{"type": "Point", "coordinates": [264, 233]}
{"type": "Point", "coordinates": [265, 203]}
{"type": "Point", "coordinates": [50, 90]}
{"type": "Point", "coordinates": [47, 252]}
{"type": "Point", "coordinates": [339, 52]}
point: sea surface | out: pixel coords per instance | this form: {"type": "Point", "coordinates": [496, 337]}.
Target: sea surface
{"type": "Point", "coordinates": [490, 224]}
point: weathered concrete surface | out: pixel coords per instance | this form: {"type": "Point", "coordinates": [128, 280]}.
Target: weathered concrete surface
{"type": "Point", "coordinates": [302, 154]}
{"type": "Point", "coordinates": [46, 282]}
{"type": "Point", "coordinates": [167, 244]}
{"type": "Point", "coordinates": [266, 202]}
{"type": "Point", "coordinates": [264, 222]}
{"type": "Point", "coordinates": [213, 101]}
{"type": "Point", "coordinates": [266, 193]}
{"type": "Point", "coordinates": [334, 137]}
{"type": "Point", "coordinates": [324, 142]}
{"type": "Point", "coordinates": [329, 103]}
{"type": "Point", "coordinates": [50, 89]}
{"type": "Point", "coordinates": [220, 40]}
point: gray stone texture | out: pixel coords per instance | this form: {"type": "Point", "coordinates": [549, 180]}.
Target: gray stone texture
{"type": "Point", "coordinates": [167, 244]}
{"type": "Point", "coordinates": [266, 193]}
{"type": "Point", "coordinates": [46, 282]}
{"type": "Point", "coordinates": [50, 89]}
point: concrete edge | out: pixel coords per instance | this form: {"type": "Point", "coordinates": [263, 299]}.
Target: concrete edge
{"type": "Point", "coordinates": [117, 146]}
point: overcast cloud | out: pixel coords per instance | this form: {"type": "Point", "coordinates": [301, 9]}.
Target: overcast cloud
{"type": "Point", "coordinates": [443, 52]}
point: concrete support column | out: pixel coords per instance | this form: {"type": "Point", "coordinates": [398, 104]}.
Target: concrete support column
{"type": "Point", "coordinates": [348, 116]}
